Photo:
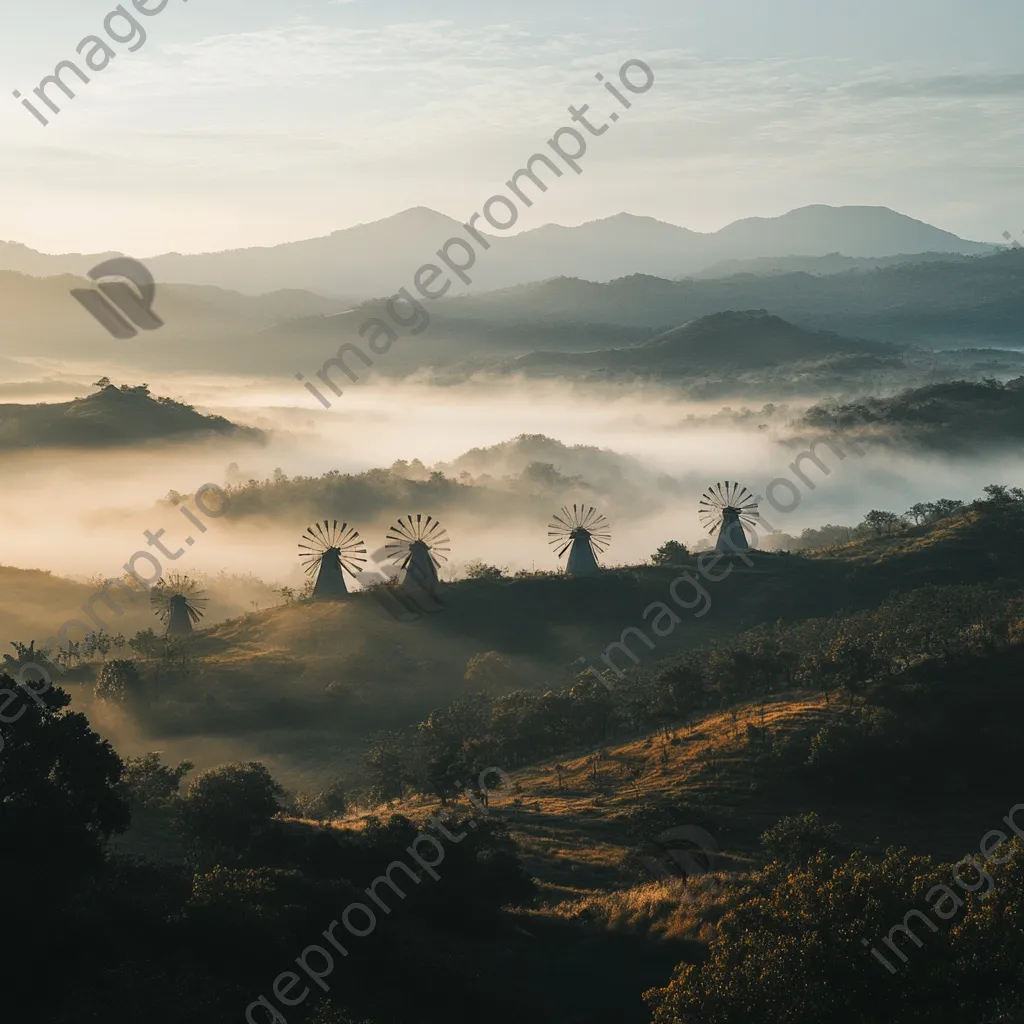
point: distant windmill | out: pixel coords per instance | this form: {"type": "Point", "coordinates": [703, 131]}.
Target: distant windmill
{"type": "Point", "coordinates": [727, 508]}
{"type": "Point", "coordinates": [418, 546]}
{"type": "Point", "coordinates": [325, 550]}
{"type": "Point", "coordinates": [583, 532]}
{"type": "Point", "coordinates": [179, 603]}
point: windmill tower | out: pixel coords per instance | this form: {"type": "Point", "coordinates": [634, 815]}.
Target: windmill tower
{"type": "Point", "coordinates": [327, 549]}
{"type": "Point", "coordinates": [418, 547]}
{"type": "Point", "coordinates": [583, 532]}
{"type": "Point", "coordinates": [726, 509]}
{"type": "Point", "coordinates": [179, 603]}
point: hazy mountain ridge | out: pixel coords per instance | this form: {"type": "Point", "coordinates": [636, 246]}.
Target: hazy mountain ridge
{"type": "Point", "coordinates": [380, 257]}
{"type": "Point", "coordinates": [947, 302]}
{"type": "Point", "coordinates": [731, 340]}
{"type": "Point", "coordinates": [832, 263]}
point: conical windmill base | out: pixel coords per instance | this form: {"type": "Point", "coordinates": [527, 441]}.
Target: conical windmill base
{"type": "Point", "coordinates": [421, 573]}
{"type": "Point", "coordinates": [330, 583]}
{"type": "Point", "coordinates": [179, 623]}
{"type": "Point", "coordinates": [581, 558]}
{"type": "Point", "coordinates": [731, 538]}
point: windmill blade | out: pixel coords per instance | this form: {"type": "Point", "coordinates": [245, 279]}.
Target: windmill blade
{"type": "Point", "coordinates": [403, 531]}
{"type": "Point", "coordinates": [564, 520]}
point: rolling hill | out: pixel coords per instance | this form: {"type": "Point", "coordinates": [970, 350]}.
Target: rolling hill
{"type": "Point", "coordinates": [730, 341]}
{"type": "Point", "coordinates": [111, 416]}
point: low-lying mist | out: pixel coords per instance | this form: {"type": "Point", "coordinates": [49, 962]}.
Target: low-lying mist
{"type": "Point", "coordinates": [83, 514]}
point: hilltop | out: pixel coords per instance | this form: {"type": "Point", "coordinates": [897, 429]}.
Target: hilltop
{"type": "Point", "coordinates": [732, 341]}
{"type": "Point", "coordinates": [953, 416]}
{"type": "Point", "coordinates": [111, 416]}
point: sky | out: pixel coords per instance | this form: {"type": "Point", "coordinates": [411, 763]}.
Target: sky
{"type": "Point", "coordinates": [254, 122]}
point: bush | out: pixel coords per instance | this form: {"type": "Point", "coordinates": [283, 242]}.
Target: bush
{"type": "Point", "coordinates": [795, 840]}
{"type": "Point", "coordinates": [481, 571]}
{"type": "Point", "coordinates": [672, 552]}
{"type": "Point", "coordinates": [119, 681]}
{"type": "Point", "coordinates": [329, 803]}
{"type": "Point", "coordinates": [225, 808]}
{"type": "Point", "coordinates": [148, 783]}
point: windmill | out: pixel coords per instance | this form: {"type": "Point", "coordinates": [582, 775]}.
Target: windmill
{"type": "Point", "coordinates": [727, 508]}
{"type": "Point", "coordinates": [178, 602]}
{"type": "Point", "coordinates": [325, 550]}
{"type": "Point", "coordinates": [418, 547]}
{"type": "Point", "coordinates": [583, 532]}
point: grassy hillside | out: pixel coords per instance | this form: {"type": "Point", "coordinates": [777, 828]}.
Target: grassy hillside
{"type": "Point", "coordinates": [304, 684]}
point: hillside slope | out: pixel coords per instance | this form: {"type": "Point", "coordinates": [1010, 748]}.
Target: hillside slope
{"type": "Point", "coordinates": [111, 416]}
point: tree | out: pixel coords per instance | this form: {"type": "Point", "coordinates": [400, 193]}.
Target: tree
{"type": "Point", "coordinates": [329, 803]}
{"type": "Point", "coordinates": [882, 522]}
{"type": "Point", "coordinates": [146, 643]}
{"type": "Point", "coordinates": [481, 571]}
{"type": "Point", "coordinates": [58, 796]}
{"type": "Point", "coordinates": [225, 808]}
{"type": "Point", "coordinates": [920, 512]}
{"type": "Point", "coordinates": [997, 492]}
{"type": "Point", "coordinates": [119, 681]}
{"type": "Point", "coordinates": [149, 783]}
{"type": "Point", "coordinates": [103, 382]}
{"type": "Point", "coordinates": [946, 507]}
{"type": "Point", "coordinates": [795, 840]}
{"type": "Point", "coordinates": [791, 948]}
{"type": "Point", "coordinates": [489, 668]}
{"type": "Point", "coordinates": [386, 760]}
{"type": "Point", "coordinates": [672, 552]}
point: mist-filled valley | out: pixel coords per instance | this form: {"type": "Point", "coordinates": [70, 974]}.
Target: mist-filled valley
{"type": "Point", "coordinates": [598, 603]}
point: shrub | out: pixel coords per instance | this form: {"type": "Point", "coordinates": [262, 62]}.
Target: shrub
{"type": "Point", "coordinates": [795, 840]}
{"type": "Point", "coordinates": [672, 552]}
{"type": "Point", "coordinates": [226, 807]}
{"type": "Point", "coordinates": [149, 783]}
{"type": "Point", "coordinates": [119, 681]}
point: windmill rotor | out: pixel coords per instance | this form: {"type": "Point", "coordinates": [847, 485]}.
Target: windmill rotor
{"type": "Point", "coordinates": [335, 544]}
{"type": "Point", "coordinates": [581, 524]}
{"type": "Point", "coordinates": [728, 499]}
{"type": "Point", "coordinates": [177, 600]}
{"type": "Point", "coordinates": [413, 536]}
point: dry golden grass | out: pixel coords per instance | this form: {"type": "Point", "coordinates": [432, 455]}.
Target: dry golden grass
{"type": "Point", "coordinates": [572, 841]}
{"type": "Point", "coordinates": [667, 910]}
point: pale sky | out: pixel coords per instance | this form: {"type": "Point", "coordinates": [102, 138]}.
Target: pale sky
{"type": "Point", "coordinates": [243, 122]}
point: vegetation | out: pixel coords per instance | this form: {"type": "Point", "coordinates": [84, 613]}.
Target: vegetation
{"type": "Point", "coordinates": [110, 416]}
{"type": "Point", "coordinates": [817, 726]}
{"type": "Point", "coordinates": [953, 416]}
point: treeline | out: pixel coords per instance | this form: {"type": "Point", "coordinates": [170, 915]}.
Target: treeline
{"type": "Point", "coordinates": [882, 522]}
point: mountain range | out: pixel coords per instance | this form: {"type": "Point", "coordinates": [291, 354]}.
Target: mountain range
{"type": "Point", "coordinates": [378, 258]}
